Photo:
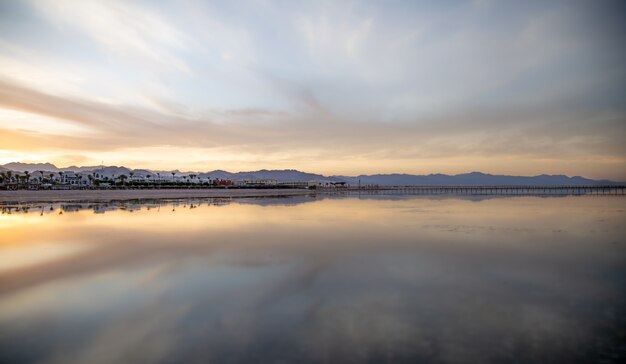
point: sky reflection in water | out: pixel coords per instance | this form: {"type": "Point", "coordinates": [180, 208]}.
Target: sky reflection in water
{"type": "Point", "coordinates": [310, 279]}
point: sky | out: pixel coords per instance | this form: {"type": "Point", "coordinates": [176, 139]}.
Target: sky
{"type": "Point", "coordinates": [332, 87]}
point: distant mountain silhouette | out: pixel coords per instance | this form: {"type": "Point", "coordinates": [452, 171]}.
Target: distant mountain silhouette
{"type": "Point", "coordinates": [292, 175]}
{"type": "Point", "coordinates": [285, 175]}
{"type": "Point", "coordinates": [30, 167]}
{"type": "Point", "coordinates": [472, 179]}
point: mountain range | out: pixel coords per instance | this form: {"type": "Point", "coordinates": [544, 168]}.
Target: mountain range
{"type": "Point", "coordinates": [292, 175]}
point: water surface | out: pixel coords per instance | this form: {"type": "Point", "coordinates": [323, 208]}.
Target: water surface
{"type": "Point", "coordinates": [309, 279]}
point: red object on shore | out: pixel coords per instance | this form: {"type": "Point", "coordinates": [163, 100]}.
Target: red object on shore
{"type": "Point", "coordinates": [224, 182]}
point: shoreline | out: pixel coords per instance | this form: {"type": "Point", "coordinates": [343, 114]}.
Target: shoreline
{"type": "Point", "coordinates": [30, 196]}
{"type": "Point", "coordinates": [152, 194]}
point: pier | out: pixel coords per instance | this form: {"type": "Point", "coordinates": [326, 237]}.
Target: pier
{"type": "Point", "coordinates": [488, 190]}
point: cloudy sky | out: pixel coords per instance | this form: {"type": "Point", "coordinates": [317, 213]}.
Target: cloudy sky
{"type": "Point", "coordinates": [336, 87]}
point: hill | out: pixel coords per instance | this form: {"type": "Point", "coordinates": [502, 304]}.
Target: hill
{"type": "Point", "coordinates": [292, 175]}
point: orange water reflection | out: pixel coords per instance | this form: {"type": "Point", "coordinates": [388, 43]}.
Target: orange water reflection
{"type": "Point", "coordinates": [313, 279]}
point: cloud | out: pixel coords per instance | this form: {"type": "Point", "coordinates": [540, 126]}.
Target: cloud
{"type": "Point", "coordinates": [333, 82]}
{"type": "Point", "coordinates": [125, 29]}
{"type": "Point", "coordinates": [545, 131]}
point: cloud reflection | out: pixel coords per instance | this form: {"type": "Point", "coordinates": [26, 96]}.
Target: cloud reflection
{"type": "Point", "coordinates": [345, 280]}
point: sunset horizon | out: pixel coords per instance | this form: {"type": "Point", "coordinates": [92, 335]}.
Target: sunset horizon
{"type": "Point", "coordinates": [235, 171]}
{"type": "Point", "coordinates": [312, 181]}
{"type": "Point", "coordinates": [334, 87]}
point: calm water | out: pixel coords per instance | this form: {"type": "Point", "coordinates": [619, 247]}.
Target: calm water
{"type": "Point", "coordinates": [297, 280]}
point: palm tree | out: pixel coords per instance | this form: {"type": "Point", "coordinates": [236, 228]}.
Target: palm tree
{"type": "Point", "coordinates": [123, 179]}
{"type": "Point", "coordinates": [18, 179]}
{"type": "Point", "coordinates": [61, 176]}
{"type": "Point", "coordinates": [27, 173]}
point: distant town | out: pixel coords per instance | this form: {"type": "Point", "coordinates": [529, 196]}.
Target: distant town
{"type": "Point", "coordinates": [46, 176]}
{"type": "Point", "coordinates": [12, 180]}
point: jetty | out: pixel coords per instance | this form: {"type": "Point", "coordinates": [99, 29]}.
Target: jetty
{"type": "Point", "coordinates": [487, 190]}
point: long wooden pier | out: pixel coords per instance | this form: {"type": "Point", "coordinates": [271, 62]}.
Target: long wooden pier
{"type": "Point", "coordinates": [487, 190]}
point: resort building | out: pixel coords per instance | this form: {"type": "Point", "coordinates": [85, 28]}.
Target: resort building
{"type": "Point", "coordinates": [74, 179]}
{"type": "Point", "coordinates": [257, 182]}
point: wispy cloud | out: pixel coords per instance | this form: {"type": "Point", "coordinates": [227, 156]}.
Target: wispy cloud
{"type": "Point", "coordinates": [528, 135]}
{"type": "Point", "coordinates": [413, 84]}
{"type": "Point", "coordinates": [121, 27]}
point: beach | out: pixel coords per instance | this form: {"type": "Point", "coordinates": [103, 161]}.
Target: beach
{"type": "Point", "coordinates": [117, 195]}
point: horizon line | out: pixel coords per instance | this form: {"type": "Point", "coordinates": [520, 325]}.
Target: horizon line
{"type": "Point", "coordinates": [320, 174]}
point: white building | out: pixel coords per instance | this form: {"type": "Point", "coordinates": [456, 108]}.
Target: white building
{"type": "Point", "coordinates": [263, 182]}
{"type": "Point", "coordinates": [74, 179]}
